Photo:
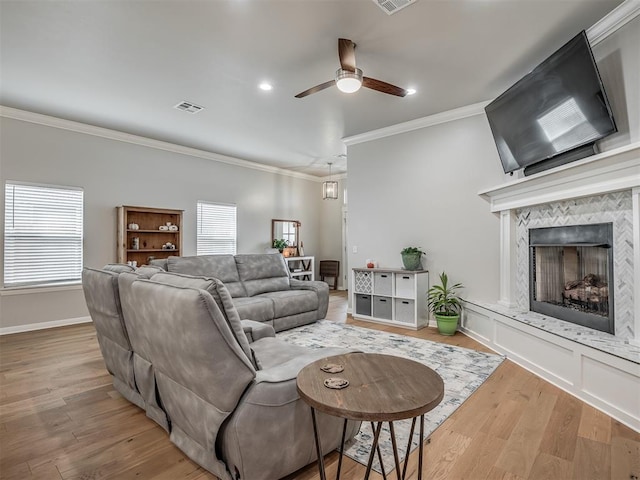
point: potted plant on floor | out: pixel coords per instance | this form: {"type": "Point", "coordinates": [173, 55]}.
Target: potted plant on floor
{"type": "Point", "coordinates": [445, 305]}
{"type": "Point", "coordinates": [412, 258]}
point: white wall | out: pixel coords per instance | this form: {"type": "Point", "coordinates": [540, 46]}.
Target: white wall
{"type": "Point", "coordinates": [618, 59]}
{"type": "Point", "coordinates": [115, 173]}
{"type": "Point", "coordinates": [419, 188]}
{"type": "Point", "coordinates": [331, 230]}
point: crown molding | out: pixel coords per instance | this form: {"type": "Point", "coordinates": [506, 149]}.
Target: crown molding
{"type": "Point", "coordinates": [606, 26]}
{"type": "Point", "coordinates": [418, 123]}
{"type": "Point", "coordinates": [613, 21]}
{"type": "Point", "coordinates": [55, 122]}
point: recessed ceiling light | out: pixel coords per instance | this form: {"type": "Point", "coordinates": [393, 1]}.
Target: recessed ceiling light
{"type": "Point", "coordinates": [411, 91]}
{"type": "Point", "coordinates": [265, 86]}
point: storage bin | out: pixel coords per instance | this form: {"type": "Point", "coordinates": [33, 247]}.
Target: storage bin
{"type": "Point", "coordinates": [383, 283]}
{"type": "Point", "coordinates": [363, 304]}
{"type": "Point", "coordinates": [405, 285]}
{"type": "Point", "coordinates": [382, 307]}
{"type": "Point", "coordinates": [405, 311]}
{"type": "Point", "coordinates": [362, 282]}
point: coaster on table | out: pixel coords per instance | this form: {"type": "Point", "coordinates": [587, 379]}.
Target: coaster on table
{"type": "Point", "coordinates": [336, 383]}
{"type": "Point", "coordinates": [332, 368]}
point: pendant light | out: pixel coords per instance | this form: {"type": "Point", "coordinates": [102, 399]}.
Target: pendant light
{"type": "Point", "coordinates": [330, 188]}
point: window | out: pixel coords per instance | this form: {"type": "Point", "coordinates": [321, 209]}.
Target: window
{"type": "Point", "coordinates": [42, 235]}
{"type": "Point", "coordinates": [216, 229]}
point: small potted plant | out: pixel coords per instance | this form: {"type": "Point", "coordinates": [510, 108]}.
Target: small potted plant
{"type": "Point", "coordinates": [280, 244]}
{"type": "Point", "coordinates": [445, 305]}
{"type": "Point", "coordinates": [412, 258]}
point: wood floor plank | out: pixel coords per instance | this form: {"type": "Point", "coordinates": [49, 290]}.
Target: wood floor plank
{"type": "Point", "coordinates": [60, 417]}
{"type": "Point", "coordinates": [593, 460]}
{"type": "Point", "coordinates": [560, 436]}
{"type": "Point", "coordinates": [594, 425]}
{"type": "Point", "coordinates": [522, 445]}
{"type": "Point", "coordinates": [552, 467]}
{"type": "Point", "coordinates": [625, 458]}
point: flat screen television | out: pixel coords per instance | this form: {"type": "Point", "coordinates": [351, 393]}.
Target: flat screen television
{"type": "Point", "coordinates": [553, 115]}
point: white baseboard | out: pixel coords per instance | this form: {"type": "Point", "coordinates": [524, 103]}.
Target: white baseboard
{"type": "Point", "coordinates": [43, 325]}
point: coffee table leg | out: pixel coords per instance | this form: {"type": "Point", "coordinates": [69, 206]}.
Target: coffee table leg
{"type": "Point", "coordinates": [318, 447]}
{"type": "Point", "coordinates": [376, 436]}
{"type": "Point", "coordinates": [406, 456]}
{"type": "Point", "coordinates": [344, 434]}
{"type": "Point", "coordinates": [384, 475]}
{"type": "Point", "coordinates": [421, 447]}
{"type": "Point", "coordinates": [395, 449]}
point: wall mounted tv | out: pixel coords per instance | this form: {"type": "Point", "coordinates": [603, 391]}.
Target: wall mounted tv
{"type": "Point", "coordinates": [555, 114]}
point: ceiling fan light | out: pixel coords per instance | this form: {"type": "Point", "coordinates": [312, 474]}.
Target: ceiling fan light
{"type": "Point", "coordinates": [348, 82]}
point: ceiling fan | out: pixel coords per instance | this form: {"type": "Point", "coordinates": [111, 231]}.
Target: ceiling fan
{"type": "Point", "coordinates": [349, 79]}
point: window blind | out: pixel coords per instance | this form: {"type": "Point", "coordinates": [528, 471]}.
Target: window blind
{"type": "Point", "coordinates": [216, 229]}
{"type": "Point", "coordinates": [42, 235]}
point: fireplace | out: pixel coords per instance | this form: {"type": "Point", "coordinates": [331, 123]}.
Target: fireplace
{"type": "Point", "coordinates": [571, 274]}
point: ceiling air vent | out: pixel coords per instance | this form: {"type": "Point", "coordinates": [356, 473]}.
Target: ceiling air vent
{"type": "Point", "coordinates": [392, 6]}
{"type": "Point", "coordinates": [188, 107]}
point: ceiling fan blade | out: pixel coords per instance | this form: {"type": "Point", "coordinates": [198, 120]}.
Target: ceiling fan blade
{"type": "Point", "coordinates": [383, 87]}
{"type": "Point", "coordinates": [317, 88]}
{"type": "Point", "coordinates": [347, 54]}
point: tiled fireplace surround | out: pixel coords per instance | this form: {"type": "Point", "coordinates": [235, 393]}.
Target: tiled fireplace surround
{"type": "Point", "coordinates": [599, 368]}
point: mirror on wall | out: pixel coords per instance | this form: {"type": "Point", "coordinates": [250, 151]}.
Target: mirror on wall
{"type": "Point", "coordinates": [288, 230]}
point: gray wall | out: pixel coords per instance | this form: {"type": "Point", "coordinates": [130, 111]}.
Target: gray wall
{"type": "Point", "coordinates": [115, 173]}
{"type": "Point", "coordinates": [330, 235]}
{"type": "Point", "coordinates": [420, 188]}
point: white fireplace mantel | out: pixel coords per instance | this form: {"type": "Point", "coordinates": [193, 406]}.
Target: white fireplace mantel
{"type": "Point", "coordinates": [610, 171]}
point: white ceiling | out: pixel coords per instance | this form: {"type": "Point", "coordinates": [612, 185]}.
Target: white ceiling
{"type": "Point", "coordinates": [124, 64]}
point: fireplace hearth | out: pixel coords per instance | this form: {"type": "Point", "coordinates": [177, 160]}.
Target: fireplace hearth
{"type": "Point", "coordinates": [571, 271]}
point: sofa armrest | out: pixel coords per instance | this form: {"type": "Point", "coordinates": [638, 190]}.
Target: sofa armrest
{"type": "Point", "coordinates": [321, 289]}
{"type": "Point", "coordinates": [257, 330]}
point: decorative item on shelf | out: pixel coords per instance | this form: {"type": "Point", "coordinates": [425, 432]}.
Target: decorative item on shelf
{"type": "Point", "coordinates": [329, 187]}
{"type": "Point", "coordinates": [135, 243]}
{"type": "Point", "coordinates": [290, 252]}
{"type": "Point", "coordinates": [134, 226]}
{"type": "Point", "coordinates": [164, 228]}
{"type": "Point", "coordinates": [301, 249]}
{"type": "Point", "coordinates": [280, 244]}
{"type": "Point", "coordinates": [370, 263]}
{"type": "Point", "coordinates": [445, 305]}
{"type": "Point", "coordinates": [173, 228]}
{"type": "Point", "coordinates": [412, 258]}
{"type": "Point", "coordinates": [168, 246]}
{"type": "Point", "coordinates": [132, 263]}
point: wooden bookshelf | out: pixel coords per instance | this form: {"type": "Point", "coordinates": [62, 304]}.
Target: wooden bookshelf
{"type": "Point", "coordinates": [150, 238]}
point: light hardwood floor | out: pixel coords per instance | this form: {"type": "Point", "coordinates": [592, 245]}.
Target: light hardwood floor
{"type": "Point", "coordinates": [60, 418]}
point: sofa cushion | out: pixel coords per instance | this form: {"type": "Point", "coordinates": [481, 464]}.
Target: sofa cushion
{"type": "Point", "coordinates": [118, 267]}
{"type": "Point", "coordinates": [291, 302]}
{"type": "Point", "coordinates": [148, 271]}
{"type": "Point", "coordinates": [262, 273]}
{"type": "Point", "coordinates": [159, 262]}
{"type": "Point", "coordinates": [222, 267]}
{"type": "Point", "coordinates": [255, 308]}
{"type": "Point", "coordinates": [221, 296]}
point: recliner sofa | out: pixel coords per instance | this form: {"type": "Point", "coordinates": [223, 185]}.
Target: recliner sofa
{"type": "Point", "coordinates": [224, 388]}
{"type": "Point", "coordinates": [260, 286]}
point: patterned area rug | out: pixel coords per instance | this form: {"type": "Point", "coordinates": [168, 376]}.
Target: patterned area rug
{"type": "Point", "coordinates": [462, 370]}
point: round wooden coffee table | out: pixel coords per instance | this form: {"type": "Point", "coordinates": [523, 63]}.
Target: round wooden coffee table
{"type": "Point", "coordinates": [382, 388]}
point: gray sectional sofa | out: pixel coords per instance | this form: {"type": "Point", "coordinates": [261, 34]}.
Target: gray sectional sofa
{"type": "Point", "coordinates": [224, 388]}
{"type": "Point", "coordinates": [260, 287]}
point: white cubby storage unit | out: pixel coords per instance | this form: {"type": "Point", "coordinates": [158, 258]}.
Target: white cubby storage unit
{"type": "Point", "coordinates": [391, 296]}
